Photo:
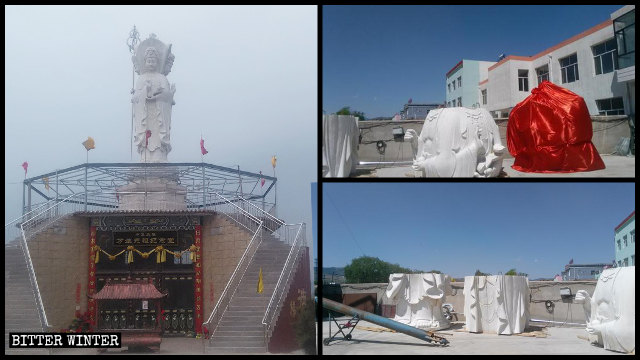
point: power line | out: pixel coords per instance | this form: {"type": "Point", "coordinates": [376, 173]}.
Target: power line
{"type": "Point", "coordinates": [345, 223]}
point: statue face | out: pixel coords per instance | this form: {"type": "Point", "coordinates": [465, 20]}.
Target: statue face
{"type": "Point", "coordinates": [150, 63]}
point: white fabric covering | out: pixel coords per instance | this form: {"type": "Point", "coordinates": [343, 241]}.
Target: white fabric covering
{"type": "Point", "coordinates": [611, 312]}
{"type": "Point", "coordinates": [457, 142]}
{"type": "Point", "coordinates": [496, 304]}
{"type": "Point", "coordinates": [419, 298]}
{"type": "Point", "coordinates": [340, 136]}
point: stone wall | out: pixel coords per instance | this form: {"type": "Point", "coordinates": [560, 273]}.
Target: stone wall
{"type": "Point", "coordinates": [223, 243]}
{"type": "Point", "coordinates": [374, 130]}
{"type": "Point", "coordinates": [607, 132]}
{"type": "Point", "coordinates": [60, 257]}
{"type": "Point", "coordinates": [541, 291]}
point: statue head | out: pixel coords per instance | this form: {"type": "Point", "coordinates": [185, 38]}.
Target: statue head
{"type": "Point", "coordinates": [151, 59]}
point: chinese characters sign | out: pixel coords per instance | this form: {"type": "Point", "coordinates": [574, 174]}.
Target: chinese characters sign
{"type": "Point", "coordinates": [145, 238]}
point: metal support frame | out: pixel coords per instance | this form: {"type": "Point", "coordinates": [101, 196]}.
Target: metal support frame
{"type": "Point", "coordinates": [348, 325]}
{"type": "Point", "coordinates": [199, 179]}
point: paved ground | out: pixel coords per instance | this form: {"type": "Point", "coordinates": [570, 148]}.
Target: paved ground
{"type": "Point", "coordinates": [616, 166]}
{"type": "Point", "coordinates": [558, 341]}
{"type": "Point", "coordinates": [169, 346]}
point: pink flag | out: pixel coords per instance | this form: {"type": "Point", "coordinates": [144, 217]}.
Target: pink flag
{"type": "Point", "coordinates": [148, 135]}
{"type": "Point", "coordinates": [25, 165]}
{"type": "Point", "coordinates": [261, 179]}
{"type": "Point", "coordinates": [202, 149]}
{"type": "Point", "coordinates": [570, 261]}
{"type": "Point", "coordinates": [410, 100]}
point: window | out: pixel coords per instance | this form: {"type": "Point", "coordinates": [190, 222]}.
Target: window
{"type": "Point", "coordinates": [449, 86]}
{"type": "Point", "coordinates": [523, 80]}
{"type": "Point", "coordinates": [543, 73]}
{"type": "Point", "coordinates": [454, 85]}
{"type": "Point", "coordinates": [624, 239]}
{"type": "Point", "coordinates": [619, 263]}
{"type": "Point", "coordinates": [605, 57]}
{"type": "Point", "coordinates": [569, 68]}
{"type": "Point", "coordinates": [633, 236]}
{"type": "Point", "coordinates": [619, 245]}
{"type": "Point", "coordinates": [459, 81]}
{"type": "Point", "coordinates": [633, 260]}
{"type": "Point", "coordinates": [484, 97]}
{"type": "Point", "coordinates": [459, 101]}
{"type": "Point", "coordinates": [612, 106]}
{"type": "Point", "coordinates": [626, 262]}
{"type": "Point", "coordinates": [625, 31]}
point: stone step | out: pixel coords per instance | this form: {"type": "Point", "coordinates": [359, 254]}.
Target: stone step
{"type": "Point", "coordinates": [222, 333]}
{"type": "Point", "coordinates": [235, 307]}
{"type": "Point", "coordinates": [236, 350]}
{"type": "Point", "coordinates": [237, 341]}
{"type": "Point", "coordinates": [242, 317]}
{"type": "Point", "coordinates": [240, 327]}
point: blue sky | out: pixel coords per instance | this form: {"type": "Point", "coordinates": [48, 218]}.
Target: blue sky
{"type": "Point", "coordinates": [377, 57]}
{"type": "Point", "coordinates": [460, 227]}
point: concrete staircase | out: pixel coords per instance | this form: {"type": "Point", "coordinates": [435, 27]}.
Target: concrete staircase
{"type": "Point", "coordinates": [240, 330]}
{"type": "Point", "coordinates": [20, 309]}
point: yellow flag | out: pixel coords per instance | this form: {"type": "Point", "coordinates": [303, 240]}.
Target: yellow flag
{"type": "Point", "coordinates": [260, 284]}
{"type": "Point", "coordinates": [46, 183]}
{"type": "Point", "coordinates": [273, 161]}
{"type": "Point", "coordinates": [89, 143]}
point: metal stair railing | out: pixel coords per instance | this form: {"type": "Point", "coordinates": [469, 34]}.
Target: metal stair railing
{"type": "Point", "coordinates": [284, 281]}
{"type": "Point", "coordinates": [259, 213]}
{"type": "Point", "coordinates": [51, 214]}
{"type": "Point", "coordinates": [249, 222]}
{"type": "Point", "coordinates": [12, 229]}
{"type": "Point", "coordinates": [37, 221]}
{"type": "Point", "coordinates": [221, 204]}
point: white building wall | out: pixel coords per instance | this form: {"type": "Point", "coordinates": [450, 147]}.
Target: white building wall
{"type": "Point", "coordinates": [502, 87]}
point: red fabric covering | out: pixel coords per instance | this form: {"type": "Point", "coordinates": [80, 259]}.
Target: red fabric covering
{"type": "Point", "coordinates": [550, 131]}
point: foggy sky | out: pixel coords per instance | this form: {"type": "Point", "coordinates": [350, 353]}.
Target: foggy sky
{"type": "Point", "coordinates": [246, 79]}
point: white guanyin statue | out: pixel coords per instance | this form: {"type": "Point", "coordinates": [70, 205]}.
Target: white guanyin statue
{"type": "Point", "coordinates": [152, 100]}
{"type": "Point", "coordinates": [497, 304]}
{"type": "Point", "coordinates": [457, 142]}
{"type": "Point", "coordinates": [418, 299]}
{"type": "Point", "coordinates": [611, 311]}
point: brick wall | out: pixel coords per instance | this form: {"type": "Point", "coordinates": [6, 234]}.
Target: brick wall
{"type": "Point", "coordinates": [60, 257]}
{"type": "Point", "coordinates": [223, 243]}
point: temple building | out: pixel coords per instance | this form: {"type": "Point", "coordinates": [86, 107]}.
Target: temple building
{"type": "Point", "coordinates": [198, 240]}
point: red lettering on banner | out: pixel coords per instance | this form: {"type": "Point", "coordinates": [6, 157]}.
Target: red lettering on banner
{"type": "Point", "coordinates": [197, 288]}
{"type": "Point", "coordinates": [91, 287]}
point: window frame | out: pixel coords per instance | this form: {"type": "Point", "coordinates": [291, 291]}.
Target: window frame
{"type": "Point", "coordinates": [483, 94]}
{"type": "Point", "coordinates": [610, 110]}
{"type": "Point", "coordinates": [564, 69]}
{"type": "Point", "coordinates": [539, 75]}
{"type": "Point", "coordinates": [523, 80]}
{"type": "Point", "coordinates": [598, 63]}
{"type": "Point", "coordinates": [459, 81]}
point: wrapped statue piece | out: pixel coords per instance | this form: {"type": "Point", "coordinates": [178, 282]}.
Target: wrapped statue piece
{"type": "Point", "coordinates": [340, 137]}
{"type": "Point", "coordinates": [550, 131]}
{"type": "Point", "coordinates": [457, 142]}
{"type": "Point", "coordinates": [496, 304]}
{"type": "Point", "coordinates": [611, 311]}
{"type": "Point", "coordinates": [419, 298]}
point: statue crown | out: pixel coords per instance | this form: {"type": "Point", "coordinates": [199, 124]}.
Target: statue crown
{"type": "Point", "coordinates": [151, 52]}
